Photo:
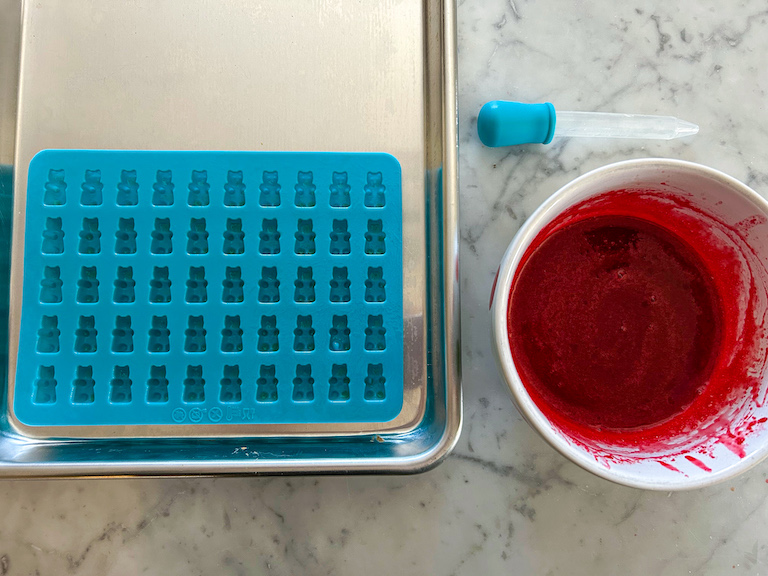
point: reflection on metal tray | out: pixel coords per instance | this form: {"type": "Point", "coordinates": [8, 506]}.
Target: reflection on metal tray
{"type": "Point", "coordinates": [285, 75]}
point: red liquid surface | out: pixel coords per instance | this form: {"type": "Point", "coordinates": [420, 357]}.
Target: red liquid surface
{"type": "Point", "coordinates": [614, 322]}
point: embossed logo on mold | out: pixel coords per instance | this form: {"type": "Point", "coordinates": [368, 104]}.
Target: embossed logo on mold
{"type": "Point", "coordinates": [195, 415]}
{"type": "Point", "coordinates": [179, 415]}
{"type": "Point", "coordinates": [239, 414]}
{"type": "Point", "coordinates": [215, 414]}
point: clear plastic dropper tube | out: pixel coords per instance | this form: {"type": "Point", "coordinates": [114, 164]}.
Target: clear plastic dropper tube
{"type": "Point", "coordinates": [609, 125]}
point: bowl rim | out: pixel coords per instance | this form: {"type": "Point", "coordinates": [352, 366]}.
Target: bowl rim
{"type": "Point", "coordinates": [545, 213]}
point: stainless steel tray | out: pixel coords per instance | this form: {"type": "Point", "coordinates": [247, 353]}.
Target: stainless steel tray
{"type": "Point", "coordinates": [271, 75]}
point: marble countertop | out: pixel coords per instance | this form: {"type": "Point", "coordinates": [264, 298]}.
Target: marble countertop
{"type": "Point", "coordinates": [504, 502]}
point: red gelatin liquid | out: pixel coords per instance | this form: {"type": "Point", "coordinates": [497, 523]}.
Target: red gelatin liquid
{"type": "Point", "coordinates": [615, 322]}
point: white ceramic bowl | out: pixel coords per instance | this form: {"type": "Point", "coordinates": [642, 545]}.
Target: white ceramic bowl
{"type": "Point", "coordinates": [703, 456]}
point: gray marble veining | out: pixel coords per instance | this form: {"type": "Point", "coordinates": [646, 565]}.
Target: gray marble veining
{"type": "Point", "coordinates": [504, 502]}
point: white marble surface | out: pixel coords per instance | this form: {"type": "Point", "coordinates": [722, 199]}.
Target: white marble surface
{"type": "Point", "coordinates": [504, 502]}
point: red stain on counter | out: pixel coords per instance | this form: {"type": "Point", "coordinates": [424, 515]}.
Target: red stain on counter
{"type": "Point", "coordinates": [629, 326]}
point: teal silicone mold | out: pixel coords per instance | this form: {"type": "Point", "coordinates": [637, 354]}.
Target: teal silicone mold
{"type": "Point", "coordinates": [211, 288]}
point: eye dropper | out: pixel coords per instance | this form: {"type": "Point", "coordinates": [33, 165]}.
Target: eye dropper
{"type": "Point", "coordinates": [502, 123]}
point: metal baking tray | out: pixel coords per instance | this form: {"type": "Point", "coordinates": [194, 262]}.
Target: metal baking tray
{"type": "Point", "coordinates": [266, 75]}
